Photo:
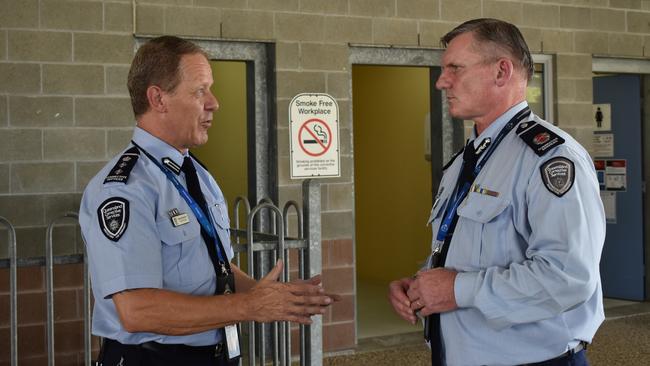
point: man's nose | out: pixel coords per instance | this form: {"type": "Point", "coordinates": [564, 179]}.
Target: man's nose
{"type": "Point", "coordinates": [442, 82]}
{"type": "Point", "coordinates": [212, 103]}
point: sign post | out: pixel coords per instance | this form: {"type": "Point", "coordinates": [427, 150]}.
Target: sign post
{"type": "Point", "coordinates": [314, 136]}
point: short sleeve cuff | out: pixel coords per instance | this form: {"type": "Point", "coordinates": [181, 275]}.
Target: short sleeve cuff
{"type": "Point", "coordinates": [464, 288]}
{"type": "Point", "coordinates": [122, 283]}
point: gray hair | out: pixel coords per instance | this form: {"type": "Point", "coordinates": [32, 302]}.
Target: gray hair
{"type": "Point", "coordinates": [504, 35]}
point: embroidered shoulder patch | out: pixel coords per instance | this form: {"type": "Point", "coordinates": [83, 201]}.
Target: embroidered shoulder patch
{"type": "Point", "coordinates": [122, 169]}
{"type": "Point", "coordinates": [113, 217]}
{"type": "Point", "coordinates": [558, 175]}
{"type": "Point", "coordinates": [540, 139]}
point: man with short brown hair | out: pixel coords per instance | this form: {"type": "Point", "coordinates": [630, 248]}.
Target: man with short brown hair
{"type": "Point", "coordinates": [157, 231]}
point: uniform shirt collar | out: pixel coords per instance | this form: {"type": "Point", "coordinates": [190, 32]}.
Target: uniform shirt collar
{"type": "Point", "coordinates": [495, 127]}
{"type": "Point", "coordinates": [159, 149]}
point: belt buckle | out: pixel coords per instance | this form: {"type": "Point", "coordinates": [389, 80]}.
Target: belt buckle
{"type": "Point", "coordinates": [581, 346]}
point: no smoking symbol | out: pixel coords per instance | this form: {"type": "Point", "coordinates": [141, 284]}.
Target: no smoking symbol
{"type": "Point", "coordinates": [315, 137]}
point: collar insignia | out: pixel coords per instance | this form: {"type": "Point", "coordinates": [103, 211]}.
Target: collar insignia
{"type": "Point", "coordinates": [169, 163]}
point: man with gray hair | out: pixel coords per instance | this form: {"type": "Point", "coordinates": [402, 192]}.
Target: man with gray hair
{"type": "Point", "coordinates": [518, 223]}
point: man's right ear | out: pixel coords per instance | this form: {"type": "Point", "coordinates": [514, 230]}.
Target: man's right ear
{"type": "Point", "coordinates": [155, 98]}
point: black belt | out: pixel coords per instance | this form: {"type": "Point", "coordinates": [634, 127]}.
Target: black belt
{"type": "Point", "coordinates": [568, 354]}
{"type": "Point", "coordinates": [216, 350]}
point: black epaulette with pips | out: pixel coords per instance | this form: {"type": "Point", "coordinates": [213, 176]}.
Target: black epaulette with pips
{"type": "Point", "coordinates": [122, 169]}
{"type": "Point", "coordinates": [538, 137]}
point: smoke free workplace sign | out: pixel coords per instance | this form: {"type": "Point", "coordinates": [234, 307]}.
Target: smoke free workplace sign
{"type": "Point", "coordinates": [314, 136]}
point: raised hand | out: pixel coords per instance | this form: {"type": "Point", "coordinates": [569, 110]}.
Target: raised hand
{"type": "Point", "coordinates": [270, 300]}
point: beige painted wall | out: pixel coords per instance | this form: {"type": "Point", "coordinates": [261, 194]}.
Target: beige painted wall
{"type": "Point", "coordinates": [225, 154]}
{"type": "Point", "coordinates": [392, 178]}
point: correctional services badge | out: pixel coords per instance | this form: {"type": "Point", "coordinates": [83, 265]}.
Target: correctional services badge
{"type": "Point", "coordinates": [113, 217]}
{"type": "Point", "coordinates": [558, 175]}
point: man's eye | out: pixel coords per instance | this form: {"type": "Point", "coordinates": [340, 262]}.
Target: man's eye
{"type": "Point", "coordinates": [452, 68]}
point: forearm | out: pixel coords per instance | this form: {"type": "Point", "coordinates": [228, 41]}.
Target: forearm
{"type": "Point", "coordinates": [243, 282]}
{"type": "Point", "coordinates": [522, 293]}
{"type": "Point", "coordinates": [172, 313]}
{"type": "Point", "coordinates": [167, 312]}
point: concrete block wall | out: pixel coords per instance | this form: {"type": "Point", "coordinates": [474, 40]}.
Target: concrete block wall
{"type": "Point", "coordinates": [64, 107]}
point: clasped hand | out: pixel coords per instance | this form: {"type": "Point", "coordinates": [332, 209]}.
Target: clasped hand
{"type": "Point", "coordinates": [430, 291]}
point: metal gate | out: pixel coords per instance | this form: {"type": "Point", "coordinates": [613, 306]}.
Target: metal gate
{"type": "Point", "coordinates": [273, 338]}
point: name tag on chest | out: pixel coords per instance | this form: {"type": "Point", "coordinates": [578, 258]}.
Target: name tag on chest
{"type": "Point", "coordinates": [178, 218]}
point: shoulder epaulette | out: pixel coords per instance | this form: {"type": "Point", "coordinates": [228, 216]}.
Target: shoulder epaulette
{"type": "Point", "coordinates": [122, 169]}
{"type": "Point", "coordinates": [198, 161]}
{"type": "Point", "coordinates": [538, 137]}
{"type": "Point", "coordinates": [451, 161]}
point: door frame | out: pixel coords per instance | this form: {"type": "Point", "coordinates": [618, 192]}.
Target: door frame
{"type": "Point", "coordinates": [409, 57]}
{"type": "Point", "coordinates": [549, 101]}
{"type": "Point", "coordinates": [441, 148]}
{"type": "Point", "coordinates": [602, 64]}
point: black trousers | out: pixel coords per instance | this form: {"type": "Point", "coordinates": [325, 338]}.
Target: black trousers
{"type": "Point", "coordinates": [114, 353]}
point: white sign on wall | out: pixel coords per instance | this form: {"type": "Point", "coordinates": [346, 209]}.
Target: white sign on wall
{"type": "Point", "coordinates": [602, 114]}
{"type": "Point", "coordinates": [603, 145]}
{"type": "Point", "coordinates": [314, 136]}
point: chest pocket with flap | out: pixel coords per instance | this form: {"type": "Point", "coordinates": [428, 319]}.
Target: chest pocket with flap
{"type": "Point", "coordinates": [485, 227]}
{"type": "Point", "coordinates": [219, 212]}
{"type": "Point", "coordinates": [183, 259]}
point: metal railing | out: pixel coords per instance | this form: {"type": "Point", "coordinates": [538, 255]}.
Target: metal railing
{"type": "Point", "coordinates": [13, 288]}
{"type": "Point", "coordinates": [49, 292]}
{"type": "Point", "coordinates": [277, 243]}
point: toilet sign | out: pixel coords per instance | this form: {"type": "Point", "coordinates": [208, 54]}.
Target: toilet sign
{"type": "Point", "coordinates": [314, 136]}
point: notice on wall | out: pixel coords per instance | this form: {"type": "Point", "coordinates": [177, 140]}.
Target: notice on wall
{"type": "Point", "coordinates": [616, 175]}
{"type": "Point", "coordinates": [602, 114]}
{"type": "Point", "coordinates": [609, 203]}
{"type": "Point", "coordinates": [314, 136]}
{"type": "Point", "coordinates": [603, 145]}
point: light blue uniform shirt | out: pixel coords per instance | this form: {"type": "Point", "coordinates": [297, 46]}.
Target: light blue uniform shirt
{"type": "Point", "coordinates": [528, 285]}
{"type": "Point", "coordinates": [152, 252]}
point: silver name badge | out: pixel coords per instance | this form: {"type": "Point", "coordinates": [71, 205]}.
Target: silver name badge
{"type": "Point", "coordinates": [232, 341]}
{"type": "Point", "coordinates": [178, 218]}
